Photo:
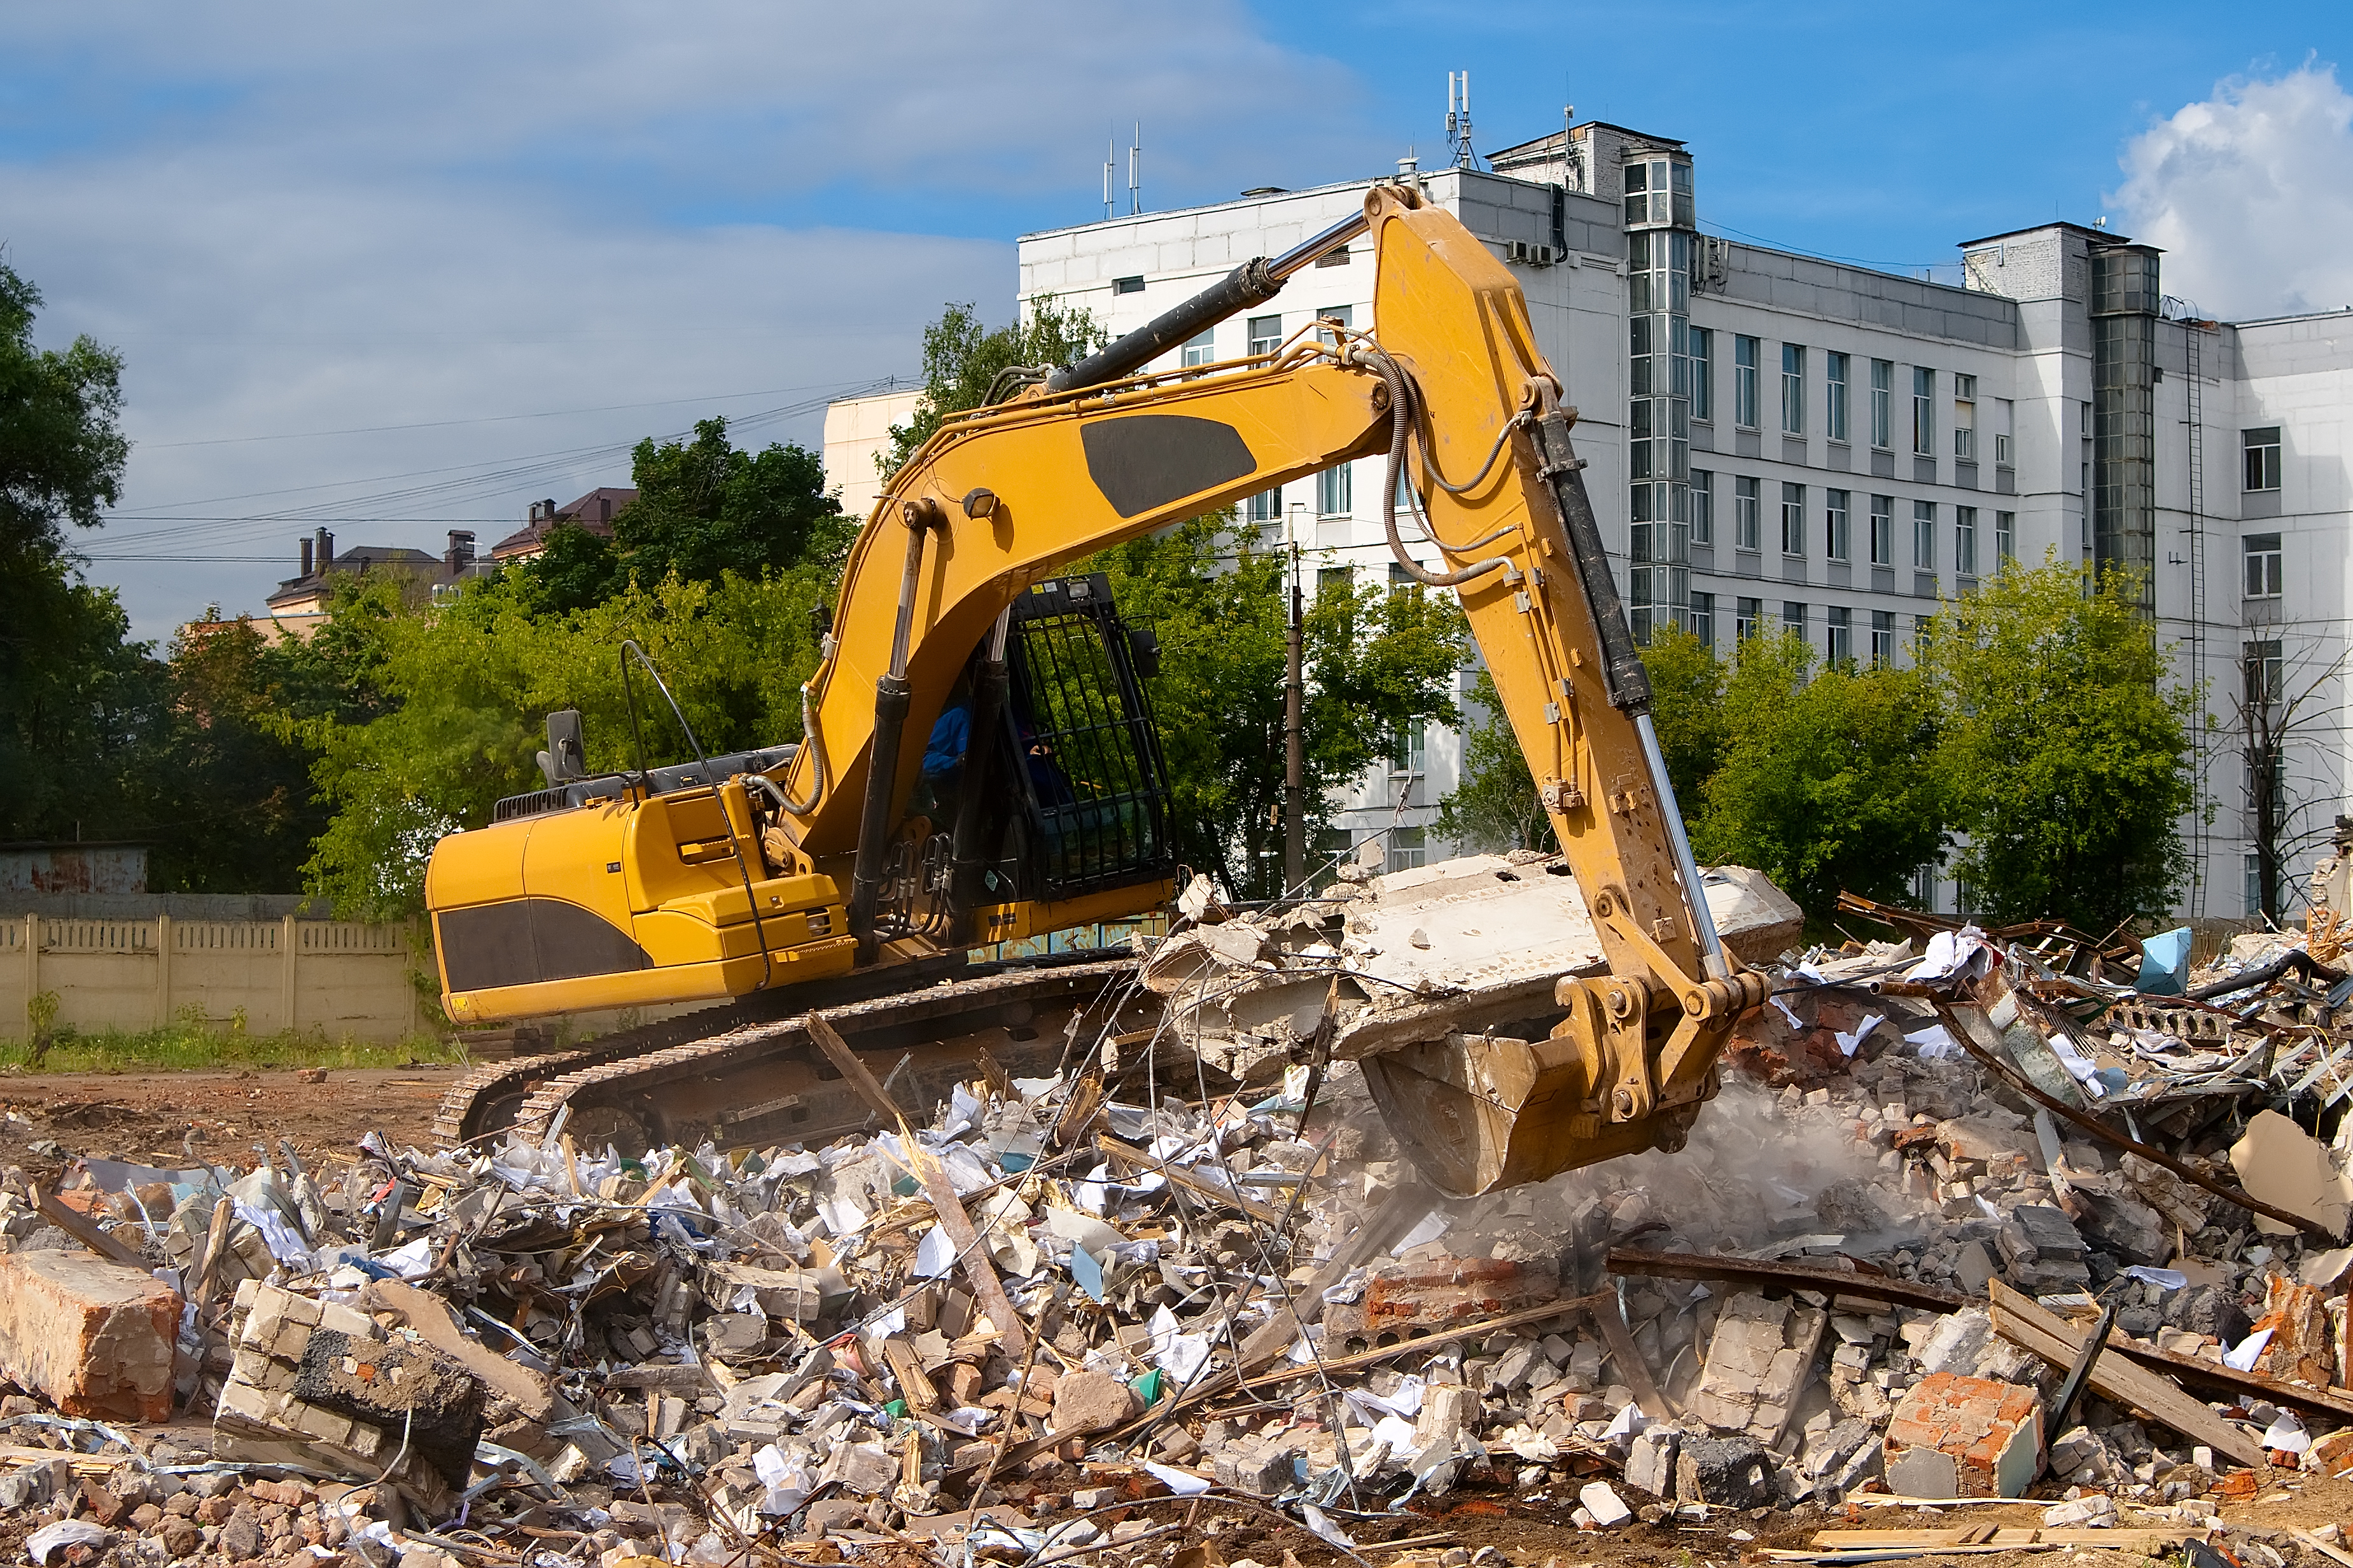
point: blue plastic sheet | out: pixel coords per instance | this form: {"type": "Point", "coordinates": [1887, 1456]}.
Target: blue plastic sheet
{"type": "Point", "coordinates": [2165, 964]}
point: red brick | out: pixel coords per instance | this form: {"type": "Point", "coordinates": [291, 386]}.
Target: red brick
{"type": "Point", "coordinates": [1990, 1435]}
{"type": "Point", "coordinates": [94, 1336]}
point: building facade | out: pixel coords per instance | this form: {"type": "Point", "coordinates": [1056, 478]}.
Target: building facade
{"type": "Point", "coordinates": [1776, 440]}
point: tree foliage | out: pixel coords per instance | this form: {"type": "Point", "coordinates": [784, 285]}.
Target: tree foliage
{"type": "Point", "coordinates": [2064, 755]}
{"type": "Point", "coordinates": [78, 701]}
{"type": "Point", "coordinates": [1823, 780]}
{"type": "Point", "coordinates": [962, 360]}
{"type": "Point", "coordinates": [1372, 661]}
{"type": "Point", "coordinates": [464, 688]}
{"type": "Point", "coordinates": [705, 508]}
{"type": "Point", "coordinates": [1494, 806]}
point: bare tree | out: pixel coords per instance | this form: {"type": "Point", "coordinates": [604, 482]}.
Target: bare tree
{"type": "Point", "coordinates": [2281, 712]}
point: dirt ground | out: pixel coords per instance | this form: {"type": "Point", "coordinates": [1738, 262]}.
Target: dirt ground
{"type": "Point", "coordinates": [175, 1119]}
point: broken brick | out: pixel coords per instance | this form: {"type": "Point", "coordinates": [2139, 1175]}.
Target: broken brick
{"type": "Point", "coordinates": [94, 1336]}
{"type": "Point", "coordinates": [1955, 1437]}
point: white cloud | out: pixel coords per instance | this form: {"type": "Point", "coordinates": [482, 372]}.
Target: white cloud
{"type": "Point", "coordinates": [294, 219]}
{"type": "Point", "coordinates": [2251, 194]}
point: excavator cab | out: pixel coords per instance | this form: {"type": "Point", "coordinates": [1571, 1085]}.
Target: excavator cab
{"type": "Point", "coordinates": [1059, 811]}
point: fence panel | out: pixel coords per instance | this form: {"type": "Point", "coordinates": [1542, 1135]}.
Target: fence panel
{"type": "Point", "coordinates": [339, 979]}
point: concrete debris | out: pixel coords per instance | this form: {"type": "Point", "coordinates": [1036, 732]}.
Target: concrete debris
{"type": "Point", "coordinates": [1934, 1163]}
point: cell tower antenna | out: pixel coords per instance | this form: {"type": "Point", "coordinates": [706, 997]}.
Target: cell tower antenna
{"type": "Point", "coordinates": [1109, 142]}
{"type": "Point", "coordinates": [1135, 171]}
{"type": "Point", "coordinates": [1458, 118]}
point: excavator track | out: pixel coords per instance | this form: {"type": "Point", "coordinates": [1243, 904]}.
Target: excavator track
{"type": "Point", "coordinates": [750, 1074]}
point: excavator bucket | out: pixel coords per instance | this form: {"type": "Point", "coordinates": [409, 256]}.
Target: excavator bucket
{"type": "Point", "coordinates": [1477, 1113]}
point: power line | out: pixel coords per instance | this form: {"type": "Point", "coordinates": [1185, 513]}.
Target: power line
{"type": "Point", "coordinates": [490, 418]}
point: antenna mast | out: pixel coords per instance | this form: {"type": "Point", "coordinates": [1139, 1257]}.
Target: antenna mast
{"type": "Point", "coordinates": [1108, 144]}
{"type": "Point", "coordinates": [1458, 118]}
{"type": "Point", "coordinates": [1135, 177]}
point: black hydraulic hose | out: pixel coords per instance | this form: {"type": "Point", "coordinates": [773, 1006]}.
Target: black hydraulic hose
{"type": "Point", "coordinates": [1251, 283]}
{"type": "Point", "coordinates": [892, 697]}
{"type": "Point", "coordinates": [2248, 979]}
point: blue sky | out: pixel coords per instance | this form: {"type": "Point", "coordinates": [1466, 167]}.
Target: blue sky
{"type": "Point", "coordinates": [407, 269]}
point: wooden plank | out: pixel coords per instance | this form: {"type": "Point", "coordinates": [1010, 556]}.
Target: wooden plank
{"type": "Point", "coordinates": [1790, 1276]}
{"type": "Point", "coordinates": [2020, 1319]}
{"type": "Point", "coordinates": [1609, 1314]}
{"type": "Point", "coordinates": [977, 1266]}
{"type": "Point", "coordinates": [84, 1229]}
{"type": "Point", "coordinates": [914, 1384]}
{"type": "Point", "coordinates": [2333, 1404]}
{"type": "Point", "coordinates": [1208, 1192]}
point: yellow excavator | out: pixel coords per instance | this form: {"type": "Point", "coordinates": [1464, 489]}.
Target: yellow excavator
{"type": "Point", "coordinates": [979, 762]}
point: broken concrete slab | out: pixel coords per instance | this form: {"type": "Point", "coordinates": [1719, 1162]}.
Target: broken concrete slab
{"type": "Point", "coordinates": [2282, 1164]}
{"type": "Point", "coordinates": [1760, 1360]}
{"type": "Point", "coordinates": [1955, 1437]}
{"type": "Point", "coordinates": [93, 1337]}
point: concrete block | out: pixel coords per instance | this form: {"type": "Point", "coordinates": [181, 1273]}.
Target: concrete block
{"type": "Point", "coordinates": [94, 1336]}
{"type": "Point", "coordinates": [1730, 1472]}
{"type": "Point", "coordinates": [1956, 1436]}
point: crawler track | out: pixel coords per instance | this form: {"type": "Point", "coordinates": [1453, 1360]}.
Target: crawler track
{"type": "Point", "coordinates": [749, 1073]}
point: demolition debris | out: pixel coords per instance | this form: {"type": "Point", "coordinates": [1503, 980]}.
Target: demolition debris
{"type": "Point", "coordinates": [1978, 1216]}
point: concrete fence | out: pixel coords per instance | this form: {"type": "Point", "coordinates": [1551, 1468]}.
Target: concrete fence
{"type": "Point", "coordinates": [341, 979]}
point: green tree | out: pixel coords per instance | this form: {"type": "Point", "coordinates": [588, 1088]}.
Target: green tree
{"type": "Point", "coordinates": [962, 360]}
{"type": "Point", "coordinates": [705, 508]}
{"type": "Point", "coordinates": [1823, 782]}
{"type": "Point", "coordinates": [2065, 755]}
{"type": "Point", "coordinates": [1494, 806]}
{"type": "Point", "coordinates": [230, 804]}
{"type": "Point", "coordinates": [78, 698]}
{"type": "Point", "coordinates": [1687, 710]}
{"type": "Point", "coordinates": [457, 696]}
{"type": "Point", "coordinates": [1373, 661]}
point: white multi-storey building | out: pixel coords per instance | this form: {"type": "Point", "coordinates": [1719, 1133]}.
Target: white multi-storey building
{"type": "Point", "coordinates": [1776, 440]}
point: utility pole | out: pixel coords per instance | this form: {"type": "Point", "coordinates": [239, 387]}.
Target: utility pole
{"type": "Point", "coordinates": [1294, 803]}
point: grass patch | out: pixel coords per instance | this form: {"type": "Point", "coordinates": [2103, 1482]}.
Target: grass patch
{"type": "Point", "coordinates": [191, 1047]}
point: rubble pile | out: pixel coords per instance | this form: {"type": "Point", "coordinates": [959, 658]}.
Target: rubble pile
{"type": "Point", "coordinates": [1977, 1215]}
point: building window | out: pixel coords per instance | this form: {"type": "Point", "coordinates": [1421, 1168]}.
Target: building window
{"type": "Point", "coordinates": [2261, 553]}
{"type": "Point", "coordinates": [1703, 617]}
{"type": "Point", "coordinates": [1835, 370]}
{"type": "Point", "coordinates": [1744, 382]}
{"type": "Point", "coordinates": [1333, 580]}
{"type": "Point", "coordinates": [1200, 350]}
{"type": "Point", "coordinates": [1265, 335]}
{"type": "Point", "coordinates": [1406, 850]}
{"type": "Point", "coordinates": [1923, 412]}
{"type": "Point", "coordinates": [2005, 429]}
{"type": "Point", "coordinates": [1703, 507]}
{"type": "Point", "coordinates": [1703, 373]}
{"type": "Point", "coordinates": [1127, 285]}
{"type": "Point", "coordinates": [1266, 507]}
{"type": "Point", "coordinates": [1746, 614]}
{"type": "Point", "coordinates": [2266, 672]}
{"type": "Point", "coordinates": [1793, 618]}
{"type": "Point", "coordinates": [2262, 449]}
{"type": "Point", "coordinates": [1883, 402]}
{"type": "Point", "coordinates": [1883, 637]}
{"type": "Point", "coordinates": [1793, 389]}
{"type": "Point", "coordinates": [1793, 520]}
{"type": "Point", "coordinates": [1333, 496]}
{"type": "Point", "coordinates": [1838, 634]}
{"type": "Point", "coordinates": [1407, 752]}
{"type": "Point", "coordinates": [1836, 541]}
{"type": "Point", "coordinates": [2254, 889]}
{"type": "Point", "coordinates": [1965, 541]}
{"type": "Point", "coordinates": [1924, 535]}
{"type": "Point", "coordinates": [1882, 531]}
{"type": "Point", "coordinates": [1964, 417]}
{"type": "Point", "coordinates": [2005, 537]}
{"type": "Point", "coordinates": [1748, 502]}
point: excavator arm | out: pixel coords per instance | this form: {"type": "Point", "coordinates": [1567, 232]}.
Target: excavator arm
{"type": "Point", "coordinates": [1451, 385]}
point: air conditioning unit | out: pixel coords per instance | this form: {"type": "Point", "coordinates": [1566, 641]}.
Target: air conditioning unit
{"type": "Point", "coordinates": [1529, 255]}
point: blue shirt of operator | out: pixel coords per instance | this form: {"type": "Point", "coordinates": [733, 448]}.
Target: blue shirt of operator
{"type": "Point", "coordinates": [943, 753]}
